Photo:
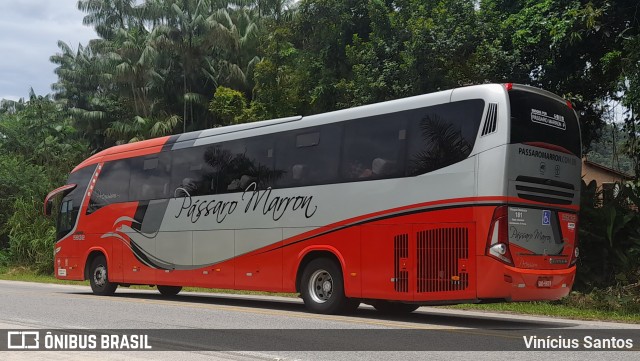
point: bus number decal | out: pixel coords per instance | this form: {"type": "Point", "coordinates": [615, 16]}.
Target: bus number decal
{"type": "Point", "coordinates": [541, 117]}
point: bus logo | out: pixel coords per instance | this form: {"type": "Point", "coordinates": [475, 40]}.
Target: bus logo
{"type": "Point", "coordinates": [543, 168]}
{"type": "Point", "coordinates": [546, 217]}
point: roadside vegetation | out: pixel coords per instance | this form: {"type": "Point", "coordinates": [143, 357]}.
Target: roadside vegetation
{"type": "Point", "coordinates": [164, 67]}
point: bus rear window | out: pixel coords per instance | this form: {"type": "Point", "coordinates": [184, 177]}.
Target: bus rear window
{"type": "Point", "coordinates": [536, 118]}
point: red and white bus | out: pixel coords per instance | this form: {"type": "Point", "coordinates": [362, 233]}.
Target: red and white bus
{"type": "Point", "coordinates": [464, 195]}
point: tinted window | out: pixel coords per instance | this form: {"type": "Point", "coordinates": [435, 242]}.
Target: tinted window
{"type": "Point", "coordinates": [191, 173]}
{"type": "Point", "coordinates": [71, 202]}
{"type": "Point", "coordinates": [308, 156]}
{"type": "Point", "coordinates": [400, 144]}
{"type": "Point", "coordinates": [538, 119]}
{"type": "Point", "coordinates": [374, 147]}
{"type": "Point", "coordinates": [112, 185]}
{"type": "Point", "coordinates": [250, 160]}
{"type": "Point", "coordinates": [150, 177]}
{"type": "Point", "coordinates": [442, 135]}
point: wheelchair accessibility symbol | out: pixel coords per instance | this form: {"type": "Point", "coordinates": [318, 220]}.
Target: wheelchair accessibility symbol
{"type": "Point", "coordinates": [546, 217]}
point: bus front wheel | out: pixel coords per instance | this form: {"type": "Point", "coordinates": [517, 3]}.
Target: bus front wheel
{"type": "Point", "coordinates": [99, 277]}
{"type": "Point", "coordinates": [169, 290]}
{"type": "Point", "coordinates": [322, 288]}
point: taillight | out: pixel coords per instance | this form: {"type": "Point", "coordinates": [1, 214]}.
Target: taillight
{"type": "Point", "coordinates": [498, 239]}
{"type": "Point", "coordinates": [508, 86]}
{"type": "Point", "coordinates": [576, 250]}
{"type": "Point", "coordinates": [569, 105]}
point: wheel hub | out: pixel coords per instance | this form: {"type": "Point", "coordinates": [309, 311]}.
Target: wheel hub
{"type": "Point", "coordinates": [100, 276]}
{"type": "Point", "coordinates": [320, 286]}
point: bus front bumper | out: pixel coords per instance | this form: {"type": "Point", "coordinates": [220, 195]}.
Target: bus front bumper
{"type": "Point", "coordinates": [67, 268]}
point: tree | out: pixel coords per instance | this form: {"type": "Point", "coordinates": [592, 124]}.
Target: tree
{"type": "Point", "coordinates": [238, 36]}
{"type": "Point", "coordinates": [38, 147]}
{"type": "Point", "coordinates": [227, 105]}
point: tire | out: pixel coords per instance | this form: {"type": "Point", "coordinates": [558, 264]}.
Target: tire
{"type": "Point", "coordinates": [394, 308]}
{"type": "Point", "coordinates": [169, 290]}
{"type": "Point", "coordinates": [99, 277]}
{"type": "Point", "coordinates": [322, 288]}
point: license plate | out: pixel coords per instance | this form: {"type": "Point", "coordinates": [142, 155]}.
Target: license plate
{"type": "Point", "coordinates": [544, 282]}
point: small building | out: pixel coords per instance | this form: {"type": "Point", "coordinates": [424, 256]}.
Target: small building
{"type": "Point", "coordinates": [605, 177]}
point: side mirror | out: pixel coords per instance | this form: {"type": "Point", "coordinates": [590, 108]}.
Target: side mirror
{"type": "Point", "coordinates": [48, 201]}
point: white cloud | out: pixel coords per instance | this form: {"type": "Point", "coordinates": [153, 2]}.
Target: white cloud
{"type": "Point", "coordinates": [30, 32]}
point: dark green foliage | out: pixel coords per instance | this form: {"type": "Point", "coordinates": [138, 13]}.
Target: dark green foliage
{"type": "Point", "coordinates": [31, 236]}
{"type": "Point", "coordinates": [38, 148]}
{"type": "Point", "coordinates": [609, 238]}
{"type": "Point", "coordinates": [227, 105]}
{"type": "Point", "coordinates": [610, 149]}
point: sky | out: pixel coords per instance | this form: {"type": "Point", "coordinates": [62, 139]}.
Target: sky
{"type": "Point", "coordinates": [29, 34]}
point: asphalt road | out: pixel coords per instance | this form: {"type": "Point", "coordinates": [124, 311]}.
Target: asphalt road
{"type": "Point", "coordinates": [25, 306]}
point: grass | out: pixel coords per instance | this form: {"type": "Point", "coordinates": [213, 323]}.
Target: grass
{"type": "Point", "coordinates": [26, 275]}
{"type": "Point", "coordinates": [551, 309]}
{"type": "Point", "coordinates": [554, 309]}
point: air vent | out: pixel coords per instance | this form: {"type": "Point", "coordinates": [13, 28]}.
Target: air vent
{"type": "Point", "coordinates": [491, 120]}
{"type": "Point", "coordinates": [545, 190]}
{"type": "Point", "coordinates": [400, 256]}
{"type": "Point", "coordinates": [442, 257]}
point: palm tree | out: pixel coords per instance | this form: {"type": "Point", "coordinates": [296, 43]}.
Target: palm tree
{"type": "Point", "coordinates": [140, 128]}
{"type": "Point", "coordinates": [181, 29]}
{"type": "Point", "coordinates": [107, 16]}
{"type": "Point", "coordinates": [237, 36]}
{"type": "Point", "coordinates": [133, 64]}
{"type": "Point", "coordinates": [82, 86]}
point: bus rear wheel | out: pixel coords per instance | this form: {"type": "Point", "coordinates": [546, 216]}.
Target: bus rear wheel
{"type": "Point", "coordinates": [169, 290]}
{"type": "Point", "coordinates": [322, 288]}
{"type": "Point", "coordinates": [394, 308]}
{"type": "Point", "coordinates": [99, 277]}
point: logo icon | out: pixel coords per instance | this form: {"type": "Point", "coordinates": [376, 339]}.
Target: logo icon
{"type": "Point", "coordinates": [546, 217]}
{"type": "Point", "coordinates": [22, 340]}
{"type": "Point", "coordinates": [543, 168]}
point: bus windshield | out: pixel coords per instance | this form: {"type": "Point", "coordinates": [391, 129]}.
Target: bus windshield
{"type": "Point", "coordinates": [536, 118]}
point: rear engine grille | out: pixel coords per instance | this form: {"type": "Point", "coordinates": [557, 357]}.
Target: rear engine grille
{"type": "Point", "coordinates": [545, 190]}
{"type": "Point", "coordinates": [439, 253]}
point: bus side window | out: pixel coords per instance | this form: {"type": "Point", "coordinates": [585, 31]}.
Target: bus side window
{"type": "Point", "coordinates": [72, 201]}
{"type": "Point", "coordinates": [65, 221]}
{"type": "Point", "coordinates": [190, 173]}
{"type": "Point", "coordinates": [308, 156]}
{"type": "Point", "coordinates": [150, 177]}
{"type": "Point", "coordinates": [112, 185]}
{"type": "Point", "coordinates": [442, 135]}
{"type": "Point", "coordinates": [373, 148]}
{"type": "Point", "coordinates": [249, 160]}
